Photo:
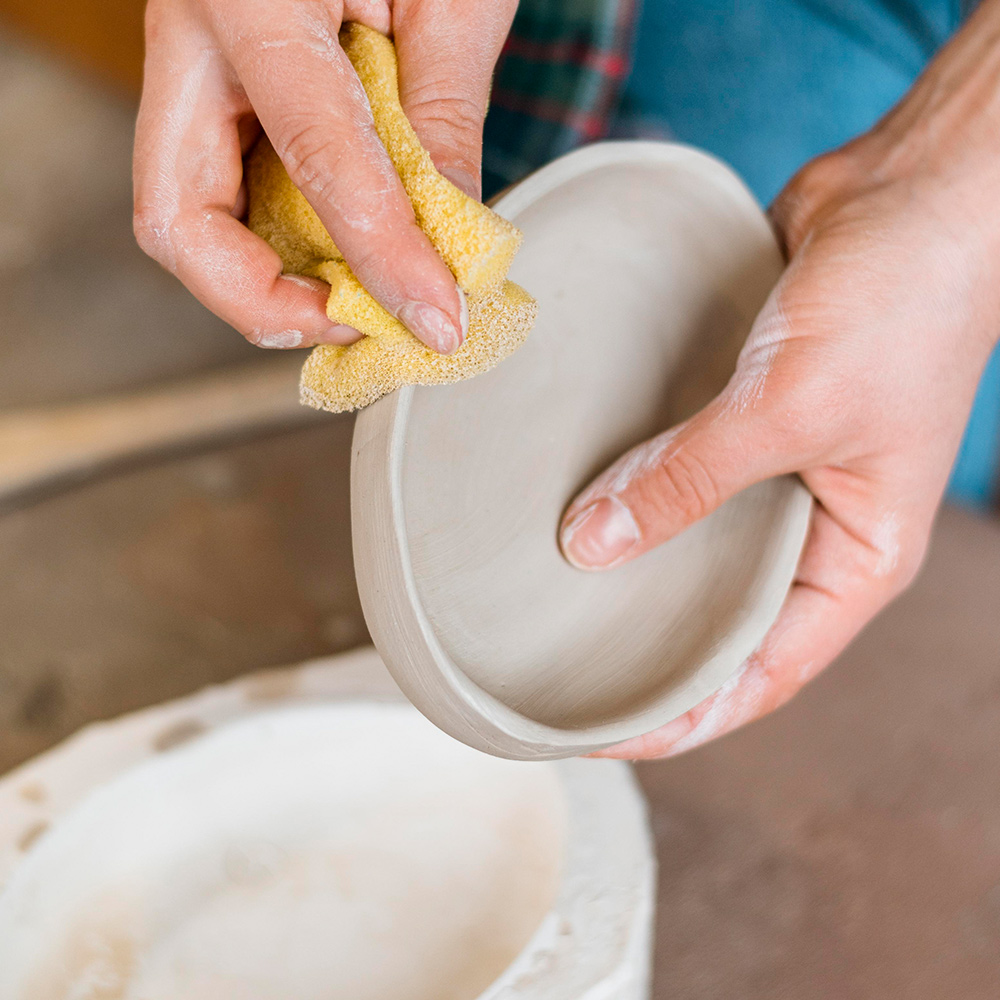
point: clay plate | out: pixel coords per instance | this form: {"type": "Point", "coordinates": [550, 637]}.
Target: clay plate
{"type": "Point", "coordinates": [650, 262]}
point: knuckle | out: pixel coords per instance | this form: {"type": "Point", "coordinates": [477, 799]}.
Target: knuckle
{"type": "Point", "coordinates": [818, 186]}
{"type": "Point", "coordinates": [371, 12]}
{"type": "Point", "coordinates": [808, 406]}
{"type": "Point", "coordinates": [687, 485]}
{"type": "Point", "coordinates": [818, 179]}
{"type": "Point", "coordinates": [906, 570]}
{"type": "Point", "coordinates": [797, 425]}
{"type": "Point", "coordinates": [310, 155]}
{"type": "Point", "coordinates": [898, 550]}
{"type": "Point", "coordinates": [151, 227]}
{"type": "Point", "coordinates": [369, 261]}
{"type": "Point", "coordinates": [449, 114]}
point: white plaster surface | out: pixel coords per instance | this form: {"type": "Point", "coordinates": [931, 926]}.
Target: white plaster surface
{"type": "Point", "coordinates": [305, 833]}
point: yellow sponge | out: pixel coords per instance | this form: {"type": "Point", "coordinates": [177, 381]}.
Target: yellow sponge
{"type": "Point", "coordinates": [476, 244]}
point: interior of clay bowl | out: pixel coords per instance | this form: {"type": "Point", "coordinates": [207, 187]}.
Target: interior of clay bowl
{"type": "Point", "coordinates": [317, 852]}
{"type": "Point", "coordinates": [650, 263]}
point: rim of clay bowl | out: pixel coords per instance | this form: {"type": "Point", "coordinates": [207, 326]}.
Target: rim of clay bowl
{"type": "Point", "coordinates": [400, 627]}
{"type": "Point", "coordinates": [596, 938]}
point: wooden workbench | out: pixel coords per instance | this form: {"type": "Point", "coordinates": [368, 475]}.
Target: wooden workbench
{"type": "Point", "coordinates": [847, 847]}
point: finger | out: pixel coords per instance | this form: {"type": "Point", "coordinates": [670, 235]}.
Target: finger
{"type": "Point", "coordinates": [811, 192]}
{"type": "Point", "coordinates": [314, 109]}
{"type": "Point", "coordinates": [447, 52]}
{"type": "Point", "coordinates": [826, 607]}
{"type": "Point", "coordinates": [225, 266]}
{"type": "Point", "coordinates": [187, 177]}
{"type": "Point", "coordinates": [666, 484]}
{"type": "Point", "coordinates": [742, 437]}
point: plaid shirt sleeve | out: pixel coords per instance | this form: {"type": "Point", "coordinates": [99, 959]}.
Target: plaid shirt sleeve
{"type": "Point", "coordinates": [556, 84]}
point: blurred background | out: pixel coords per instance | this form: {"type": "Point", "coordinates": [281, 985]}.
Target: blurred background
{"type": "Point", "coordinates": [167, 575]}
{"type": "Point", "coordinates": [848, 846]}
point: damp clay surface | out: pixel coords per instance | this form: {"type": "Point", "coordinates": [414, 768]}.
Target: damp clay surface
{"type": "Point", "coordinates": [650, 263]}
{"type": "Point", "coordinates": [321, 852]}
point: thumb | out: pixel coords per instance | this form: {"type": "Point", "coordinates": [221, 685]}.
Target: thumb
{"type": "Point", "coordinates": [447, 50]}
{"type": "Point", "coordinates": [662, 486]}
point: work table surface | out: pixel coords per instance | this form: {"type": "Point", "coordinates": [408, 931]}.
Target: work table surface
{"type": "Point", "coordinates": [848, 846]}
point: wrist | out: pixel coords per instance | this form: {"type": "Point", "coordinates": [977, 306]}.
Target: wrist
{"type": "Point", "coordinates": [943, 138]}
{"type": "Point", "coordinates": [935, 160]}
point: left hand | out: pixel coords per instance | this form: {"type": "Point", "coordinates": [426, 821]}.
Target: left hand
{"type": "Point", "coordinates": [859, 375]}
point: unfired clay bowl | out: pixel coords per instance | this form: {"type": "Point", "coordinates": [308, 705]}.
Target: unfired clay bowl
{"type": "Point", "coordinates": [650, 262]}
{"type": "Point", "coordinates": [305, 833]}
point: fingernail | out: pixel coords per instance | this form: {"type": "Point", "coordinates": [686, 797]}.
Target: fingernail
{"type": "Point", "coordinates": [312, 284]}
{"type": "Point", "coordinates": [339, 334]}
{"type": "Point", "coordinates": [278, 340]}
{"type": "Point", "coordinates": [432, 326]}
{"type": "Point", "coordinates": [600, 534]}
{"type": "Point", "coordinates": [463, 180]}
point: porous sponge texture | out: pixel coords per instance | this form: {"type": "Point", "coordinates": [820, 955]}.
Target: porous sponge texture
{"type": "Point", "coordinates": [476, 244]}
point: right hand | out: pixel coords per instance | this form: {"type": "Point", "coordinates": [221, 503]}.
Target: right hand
{"type": "Point", "coordinates": [858, 374]}
{"type": "Point", "coordinates": [217, 71]}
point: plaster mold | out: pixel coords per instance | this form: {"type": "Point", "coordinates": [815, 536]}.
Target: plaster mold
{"type": "Point", "coordinates": [307, 833]}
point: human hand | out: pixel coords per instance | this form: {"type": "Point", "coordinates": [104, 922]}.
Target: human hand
{"type": "Point", "coordinates": [858, 375]}
{"type": "Point", "coordinates": [219, 70]}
